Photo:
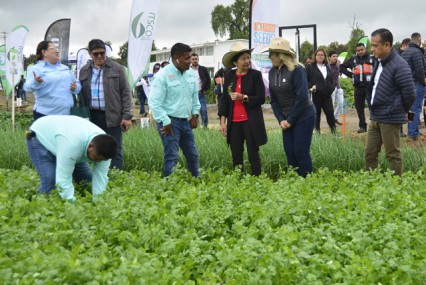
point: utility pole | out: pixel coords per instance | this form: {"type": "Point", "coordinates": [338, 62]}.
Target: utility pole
{"type": "Point", "coordinates": [3, 36]}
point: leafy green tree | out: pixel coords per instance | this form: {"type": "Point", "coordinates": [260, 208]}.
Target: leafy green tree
{"type": "Point", "coordinates": [123, 53]}
{"type": "Point", "coordinates": [306, 49]}
{"type": "Point", "coordinates": [232, 20]}
{"type": "Point", "coordinates": [356, 34]}
{"type": "Point", "coordinates": [397, 45]}
{"type": "Point", "coordinates": [29, 60]}
{"type": "Point", "coordinates": [336, 46]}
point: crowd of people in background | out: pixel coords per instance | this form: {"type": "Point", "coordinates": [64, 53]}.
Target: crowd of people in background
{"type": "Point", "coordinates": [391, 82]}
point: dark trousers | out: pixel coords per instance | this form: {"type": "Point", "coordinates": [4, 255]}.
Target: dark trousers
{"type": "Point", "coordinates": [37, 115]}
{"type": "Point", "coordinates": [359, 96]}
{"type": "Point", "coordinates": [240, 132]}
{"type": "Point", "coordinates": [142, 98]}
{"type": "Point", "coordinates": [325, 103]}
{"type": "Point", "coordinates": [99, 118]}
{"type": "Point", "coordinates": [297, 145]}
{"type": "Point", "coordinates": [203, 109]}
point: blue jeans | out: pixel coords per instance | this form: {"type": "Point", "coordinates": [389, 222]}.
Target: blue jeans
{"type": "Point", "coordinates": [183, 138]}
{"type": "Point", "coordinates": [45, 164]}
{"type": "Point", "coordinates": [203, 110]}
{"type": "Point", "coordinates": [416, 108]}
{"type": "Point", "coordinates": [297, 145]}
{"type": "Point", "coordinates": [22, 94]}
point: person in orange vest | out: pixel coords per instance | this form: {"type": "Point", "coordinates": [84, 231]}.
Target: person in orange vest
{"type": "Point", "coordinates": [359, 68]}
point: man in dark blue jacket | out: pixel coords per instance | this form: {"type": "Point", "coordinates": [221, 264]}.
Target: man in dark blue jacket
{"type": "Point", "coordinates": [414, 55]}
{"type": "Point", "coordinates": [389, 96]}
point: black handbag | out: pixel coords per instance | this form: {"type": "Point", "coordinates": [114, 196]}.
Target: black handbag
{"type": "Point", "coordinates": [80, 109]}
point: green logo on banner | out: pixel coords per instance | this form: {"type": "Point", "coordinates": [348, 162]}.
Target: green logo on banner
{"type": "Point", "coordinates": [12, 55]}
{"type": "Point", "coordinates": [138, 29]}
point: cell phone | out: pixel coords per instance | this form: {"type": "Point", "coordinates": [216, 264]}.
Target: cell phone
{"type": "Point", "coordinates": [410, 116]}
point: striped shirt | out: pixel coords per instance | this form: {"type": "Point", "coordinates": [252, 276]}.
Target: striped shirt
{"type": "Point", "coordinates": [97, 97]}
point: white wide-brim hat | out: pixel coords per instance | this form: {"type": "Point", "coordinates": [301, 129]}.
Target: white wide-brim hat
{"type": "Point", "coordinates": [236, 48]}
{"type": "Point", "coordinates": [279, 45]}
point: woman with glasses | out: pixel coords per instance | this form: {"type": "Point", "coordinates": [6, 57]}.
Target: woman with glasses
{"type": "Point", "coordinates": [320, 83]}
{"type": "Point", "coordinates": [291, 104]}
{"type": "Point", "coordinates": [240, 108]}
{"type": "Point", "coordinates": [52, 83]}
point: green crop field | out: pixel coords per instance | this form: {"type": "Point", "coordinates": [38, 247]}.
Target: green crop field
{"type": "Point", "coordinates": [340, 225]}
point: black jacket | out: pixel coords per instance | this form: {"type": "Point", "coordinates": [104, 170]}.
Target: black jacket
{"type": "Point", "coordinates": [394, 91]}
{"type": "Point", "coordinates": [252, 86]}
{"type": "Point", "coordinates": [289, 94]}
{"type": "Point", "coordinates": [204, 77]}
{"type": "Point", "coordinates": [415, 57]}
{"type": "Point", "coordinates": [324, 86]}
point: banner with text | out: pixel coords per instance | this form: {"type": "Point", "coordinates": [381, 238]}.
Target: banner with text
{"type": "Point", "coordinates": [14, 55]}
{"type": "Point", "coordinates": [264, 21]}
{"type": "Point", "coordinates": [59, 33]}
{"type": "Point", "coordinates": [143, 21]}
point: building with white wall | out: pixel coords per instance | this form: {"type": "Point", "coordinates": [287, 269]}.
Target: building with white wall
{"type": "Point", "coordinates": [210, 54]}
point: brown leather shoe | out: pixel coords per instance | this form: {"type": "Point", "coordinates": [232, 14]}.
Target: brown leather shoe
{"type": "Point", "coordinates": [337, 122]}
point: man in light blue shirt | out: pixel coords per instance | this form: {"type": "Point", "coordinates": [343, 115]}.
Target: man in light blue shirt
{"type": "Point", "coordinates": [61, 147]}
{"type": "Point", "coordinates": [174, 104]}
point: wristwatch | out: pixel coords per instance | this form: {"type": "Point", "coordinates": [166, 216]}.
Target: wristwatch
{"type": "Point", "coordinates": [245, 98]}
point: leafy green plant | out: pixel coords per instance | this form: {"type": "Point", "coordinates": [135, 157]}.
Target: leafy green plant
{"type": "Point", "coordinates": [333, 227]}
{"type": "Point", "coordinates": [22, 120]}
{"type": "Point", "coordinates": [348, 91]}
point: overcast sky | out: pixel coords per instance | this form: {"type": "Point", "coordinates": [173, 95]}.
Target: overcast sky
{"type": "Point", "coordinates": [188, 21]}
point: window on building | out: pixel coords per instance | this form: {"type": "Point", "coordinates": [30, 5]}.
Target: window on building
{"type": "Point", "coordinates": [209, 50]}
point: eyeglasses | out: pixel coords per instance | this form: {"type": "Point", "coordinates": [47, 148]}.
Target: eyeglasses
{"type": "Point", "coordinates": [99, 53]}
